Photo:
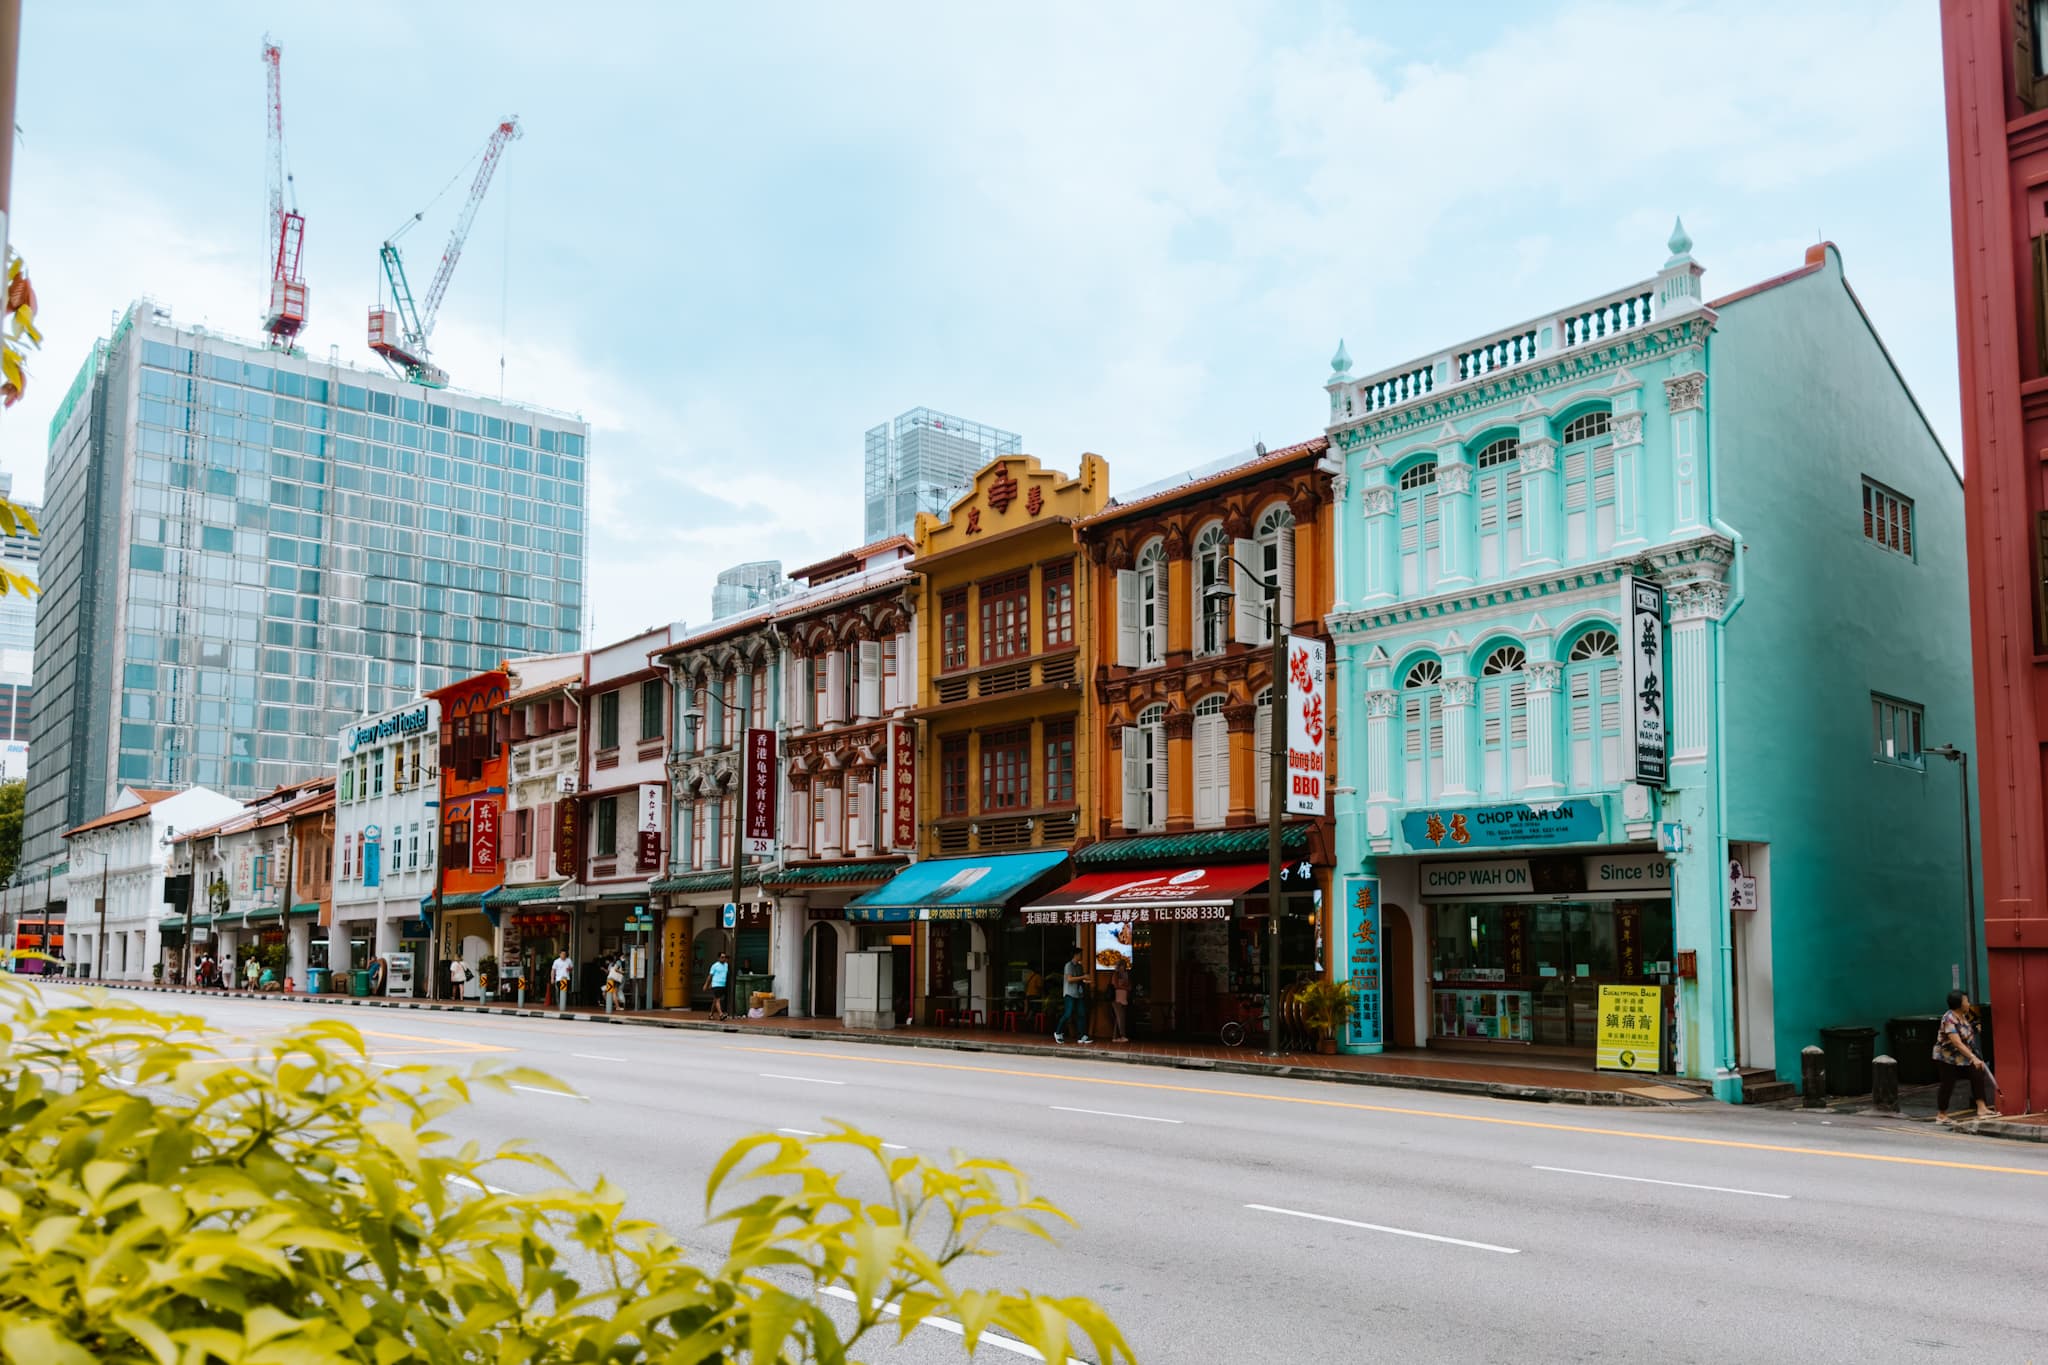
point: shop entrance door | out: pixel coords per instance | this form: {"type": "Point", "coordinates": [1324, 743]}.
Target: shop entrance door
{"type": "Point", "coordinates": [821, 961]}
{"type": "Point", "coordinates": [1573, 949]}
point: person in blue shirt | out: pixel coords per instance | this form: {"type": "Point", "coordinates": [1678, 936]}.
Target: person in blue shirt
{"type": "Point", "coordinates": [715, 983]}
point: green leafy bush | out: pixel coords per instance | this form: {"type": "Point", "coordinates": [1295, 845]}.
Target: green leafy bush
{"type": "Point", "coordinates": [163, 1201]}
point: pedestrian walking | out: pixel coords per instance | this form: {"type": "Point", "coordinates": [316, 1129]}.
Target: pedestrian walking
{"type": "Point", "coordinates": [1074, 1005]}
{"type": "Point", "coordinates": [614, 982]}
{"type": "Point", "coordinates": [1119, 999]}
{"type": "Point", "coordinates": [1956, 1058]}
{"type": "Point", "coordinates": [226, 971]}
{"type": "Point", "coordinates": [715, 983]}
{"type": "Point", "coordinates": [252, 970]}
{"type": "Point", "coordinates": [459, 977]}
{"type": "Point", "coordinates": [560, 974]}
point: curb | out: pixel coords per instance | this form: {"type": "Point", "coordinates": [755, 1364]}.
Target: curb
{"type": "Point", "coordinates": [1391, 1080]}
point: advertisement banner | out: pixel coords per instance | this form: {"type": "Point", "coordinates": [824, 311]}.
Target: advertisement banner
{"type": "Point", "coordinates": [483, 836]}
{"type": "Point", "coordinates": [373, 856]}
{"type": "Point", "coordinates": [1643, 675]}
{"type": "Point", "coordinates": [1631, 1030]}
{"type": "Point", "coordinates": [567, 827]}
{"type": "Point", "coordinates": [1305, 727]}
{"type": "Point", "coordinates": [761, 791]}
{"type": "Point", "coordinates": [902, 787]}
{"type": "Point", "coordinates": [648, 826]}
{"type": "Point", "coordinates": [1363, 1031]}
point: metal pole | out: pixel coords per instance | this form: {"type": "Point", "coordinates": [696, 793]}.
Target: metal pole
{"type": "Point", "coordinates": [1276, 747]}
{"type": "Point", "coordinates": [1969, 885]}
{"type": "Point", "coordinates": [739, 825]}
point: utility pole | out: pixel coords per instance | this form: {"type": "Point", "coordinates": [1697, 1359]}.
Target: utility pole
{"type": "Point", "coordinates": [10, 63]}
{"type": "Point", "coordinates": [99, 945]}
{"type": "Point", "coordinates": [739, 827]}
{"type": "Point", "coordinates": [1276, 770]}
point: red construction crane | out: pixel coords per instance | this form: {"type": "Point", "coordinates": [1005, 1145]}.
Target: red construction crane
{"type": "Point", "coordinates": [399, 333]}
{"type": "Point", "coordinates": [287, 227]}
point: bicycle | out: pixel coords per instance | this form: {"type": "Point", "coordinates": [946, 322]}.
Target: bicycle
{"type": "Point", "coordinates": [1251, 1011]}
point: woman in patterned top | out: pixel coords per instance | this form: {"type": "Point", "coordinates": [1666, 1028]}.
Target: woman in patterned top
{"type": "Point", "coordinates": [1955, 1057]}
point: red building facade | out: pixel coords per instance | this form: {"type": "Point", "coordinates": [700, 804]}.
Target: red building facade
{"type": "Point", "coordinates": [1995, 58]}
{"type": "Point", "coordinates": [473, 774]}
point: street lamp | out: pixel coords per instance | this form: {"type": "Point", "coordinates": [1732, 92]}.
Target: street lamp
{"type": "Point", "coordinates": [693, 721]}
{"type": "Point", "coordinates": [1276, 767]}
{"type": "Point", "coordinates": [1962, 758]}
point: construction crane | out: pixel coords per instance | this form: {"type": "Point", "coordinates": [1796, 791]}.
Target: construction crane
{"type": "Point", "coordinates": [399, 332]}
{"type": "Point", "coordinates": [287, 227]}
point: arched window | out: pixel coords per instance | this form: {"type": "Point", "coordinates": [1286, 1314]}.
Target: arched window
{"type": "Point", "coordinates": [1212, 588]}
{"type": "Point", "coordinates": [1422, 731]}
{"type": "Point", "coordinates": [1503, 722]}
{"type": "Point", "coordinates": [1141, 609]}
{"type": "Point", "coordinates": [1421, 547]}
{"type": "Point", "coordinates": [1262, 753]}
{"type": "Point", "coordinates": [1212, 763]}
{"type": "Point", "coordinates": [1592, 684]}
{"type": "Point", "coordinates": [1276, 565]}
{"type": "Point", "coordinates": [1500, 506]}
{"type": "Point", "coordinates": [1145, 771]}
{"type": "Point", "coordinates": [1588, 486]}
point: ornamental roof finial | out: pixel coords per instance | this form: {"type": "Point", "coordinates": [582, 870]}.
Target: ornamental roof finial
{"type": "Point", "coordinates": [1340, 364]}
{"type": "Point", "coordinates": [1680, 243]}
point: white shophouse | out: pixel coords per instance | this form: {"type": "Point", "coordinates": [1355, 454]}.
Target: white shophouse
{"type": "Point", "coordinates": [386, 830]}
{"type": "Point", "coordinates": [117, 859]}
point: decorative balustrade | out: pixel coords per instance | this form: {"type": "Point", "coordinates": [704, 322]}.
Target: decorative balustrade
{"type": "Point", "coordinates": [1607, 319]}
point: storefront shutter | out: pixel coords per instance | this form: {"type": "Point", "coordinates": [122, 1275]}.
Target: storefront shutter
{"type": "Point", "coordinates": [1134, 778]}
{"type": "Point", "coordinates": [1129, 644]}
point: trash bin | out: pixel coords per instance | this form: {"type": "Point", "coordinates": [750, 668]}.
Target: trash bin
{"type": "Point", "coordinates": [359, 984]}
{"type": "Point", "coordinates": [1912, 1046]}
{"type": "Point", "coordinates": [1848, 1051]}
{"type": "Point", "coordinates": [747, 984]}
{"type": "Point", "coordinates": [316, 980]}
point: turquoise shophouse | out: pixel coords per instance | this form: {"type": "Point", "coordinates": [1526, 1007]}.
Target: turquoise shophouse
{"type": "Point", "coordinates": [1649, 612]}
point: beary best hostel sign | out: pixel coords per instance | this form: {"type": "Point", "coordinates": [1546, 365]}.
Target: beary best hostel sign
{"type": "Point", "coordinates": [1306, 721]}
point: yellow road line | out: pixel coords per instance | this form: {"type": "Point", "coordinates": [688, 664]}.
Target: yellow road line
{"type": "Point", "coordinates": [1411, 1113]}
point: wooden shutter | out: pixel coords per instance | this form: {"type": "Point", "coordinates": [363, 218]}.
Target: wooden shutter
{"type": "Point", "coordinates": [1155, 736]}
{"type": "Point", "coordinates": [1212, 770]}
{"type": "Point", "coordinates": [1251, 606]}
{"type": "Point", "coordinates": [1134, 779]}
{"type": "Point", "coordinates": [1262, 775]}
{"type": "Point", "coordinates": [1284, 539]}
{"type": "Point", "coordinates": [870, 699]}
{"type": "Point", "coordinates": [1129, 645]}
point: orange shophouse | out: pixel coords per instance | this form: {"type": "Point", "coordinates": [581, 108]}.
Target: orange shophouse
{"type": "Point", "coordinates": [1173, 876]}
{"type": "Point", "coordinates": [1003, 774]}
{"type": "Point", "coordinates": [473, 775]}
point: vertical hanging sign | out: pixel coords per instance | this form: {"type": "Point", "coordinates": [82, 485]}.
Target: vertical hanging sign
{"type": "Point", "coordinates": [566, 850]}
{"type": "Point", "coordinates": [902, 787]}
{"type": "Point", "coordinates": [1305, 727]}
{"type": "Point", "coordinates": [483, 836]}
{"type": "Point", "coordinates": [373, 856]}
{"type": "Point", "coordinates": [649, 827]}
{"type": "Point", "coordinates": [1648, 705]}
{"type": "Point", "coordinates": [1364, 1030]}
{"type": "Point", "coordinates": [760, 791]}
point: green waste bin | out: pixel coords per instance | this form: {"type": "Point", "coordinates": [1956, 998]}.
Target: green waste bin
{"type": "Point", "coordinates": [1912, 1045]}
{"type": "Point", "coordinates": [359, 984]}
{"type": "Point", "coordinates": [1848, 1052]}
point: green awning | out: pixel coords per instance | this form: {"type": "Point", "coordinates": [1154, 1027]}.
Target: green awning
{"type": "Point", "coordinates": [454, 900]}
{"type": "Point", "coordinates": [1197, 846]}
{"type": "Point", "coordinates": [523, 895]}
{"type": "Point", "coordinates": [836, 873]}
{"type": "Point", "coordinates": [706, 881]}
{"type": "Point", "coordinates": [306, 908]}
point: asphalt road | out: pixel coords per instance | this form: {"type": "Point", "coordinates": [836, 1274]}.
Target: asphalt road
{"type": "Point", "coordinates": [1243, 1219]}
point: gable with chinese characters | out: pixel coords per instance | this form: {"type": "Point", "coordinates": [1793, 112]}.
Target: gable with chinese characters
{"type": "Point", "coordinates": [1013, 494]}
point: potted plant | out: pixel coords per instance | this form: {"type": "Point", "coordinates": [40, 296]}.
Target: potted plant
{"type": "Point", "coordinates": [156, 973]}
{"type": "Point", "coordinates": [1325, 1006]}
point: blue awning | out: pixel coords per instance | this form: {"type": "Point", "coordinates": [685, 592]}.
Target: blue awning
{"type": "Point", "coordinates": [957, 888]}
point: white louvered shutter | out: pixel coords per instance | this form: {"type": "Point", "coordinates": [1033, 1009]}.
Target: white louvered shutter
{"type": "Point", "coordinates": [1212, 771]}
{"type": "Point", "coordinates": [835, 685]}
{"type": "Point", "coordinates": [1511, 519]}
{"type": "Point", "coordinates": [1432, 541]}
{"type": "Point", "coordinates": [1262, 777]}
{"type": "Point", "coordinates": [1579, 701]}
{"type": "Point", "coordinates": [1603, 498]}
{"type": "Point", "coordinates": [1134, 779]}
{"type": "Point", "coordinates": [1159, 612]}
{"type": "Point", "coordinates": [1489, 524]}
{"type": "Point", "coordinates": [1411, 545]}
{"type": "Point", "coordinates": [1492, 738]}
{"type": "Point", "coordinates": [870, 700]}
{"type": "Point", "coordinates": [1156, 809]}
{"type": "Point", "coordinates": [1575, 504]}
{"type": "Point", "coordinates": [1414, 718]}
{"type": "Point", "coordinates": [1129, 645]}
{"type": "Point", "coordinates": [1251, 607]}
{"type": "Point", "coordinates": [1611, 769]}
{"type": "Point", "coordinates": [1518, 735]}
{"type": "Point", "coordinates": [1284, 541]}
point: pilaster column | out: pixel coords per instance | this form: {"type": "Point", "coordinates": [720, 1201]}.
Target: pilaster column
{"type": "Point", "coordinates": [1379, 571]}
{"type": "Point", "coordinates": [1695, 609]}
{"type": "Point", "coordinates": [1541, 509]}
{"type": "Point", "coordinates": [1179, 729]}
{"type": "Point", "coordinates": [1240, 722]}
{"type": "Point", "coordinates": [1181, 606]}
{"type": "Point", "coordinates": [1456, 532]}
{"type": "Point", "coordinates": [1541, 702]}
{"type": "Point", "coordinates": [1630, 528]}
{"type": "Point", "coordinates": [1340, 542]}
{"type": "Point", "coordinates": [1380, 710]}
{"type": "Point", "coordinates": [1685, 400]}
{"type": "Point", "coordinates": [1457, 697]}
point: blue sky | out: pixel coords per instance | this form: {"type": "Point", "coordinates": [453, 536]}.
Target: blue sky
{"type": "Point", "coordinates": [735, 237]}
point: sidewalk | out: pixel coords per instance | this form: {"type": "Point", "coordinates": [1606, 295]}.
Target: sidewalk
{"type": "Point", "coordinates": [1416, 1070]}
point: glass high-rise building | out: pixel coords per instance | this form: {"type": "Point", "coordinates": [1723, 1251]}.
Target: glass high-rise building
{"type": "Point", "coordinates": [746, 586]}
{"type": "Point", "coordinates": [244, 548]}
{"type": "Point", "coordinates": [921, 462]}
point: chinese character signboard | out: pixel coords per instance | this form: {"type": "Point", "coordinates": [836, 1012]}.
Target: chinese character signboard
{"type": "Point", "coordinates": [1628, 941]}
{"type": "Point", "coordinates": [1306, 721]}
{"type": "Point", "coordinates": [1363, 1031]}
{"type": "Point", "coordinates": [1631, 1031]}
{"type": "Point", "coordinates": [1643, 675]}
{"type": "Point", "coordinates": [903, 785]}
{"type": "Point", "coordinates": [649, 827]}
{"type": "Point", "coordinates": [567, 827]}
{"type": "Point", "coordinates": [761, 789]}
{"type": "Point", "coordinates": [483, 836]}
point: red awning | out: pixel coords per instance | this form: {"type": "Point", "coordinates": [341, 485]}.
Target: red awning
{"type": "Point", "coordinates": [1144, 897]}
